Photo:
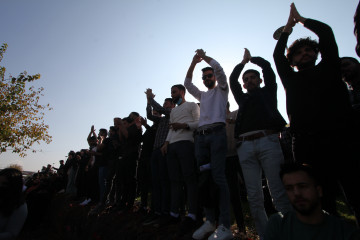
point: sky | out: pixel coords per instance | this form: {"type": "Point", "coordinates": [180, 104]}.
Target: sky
{"type": "Point", "coordinates": [96, 58]}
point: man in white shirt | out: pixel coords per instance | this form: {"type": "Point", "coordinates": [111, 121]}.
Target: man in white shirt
{"type": "Point", "coordinates": [179, 147]}
{"type": "Point", "coordinates": [211, 141]}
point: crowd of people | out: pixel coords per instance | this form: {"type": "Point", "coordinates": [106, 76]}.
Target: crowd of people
{"type": "Point", "coordinates": [194, 157]}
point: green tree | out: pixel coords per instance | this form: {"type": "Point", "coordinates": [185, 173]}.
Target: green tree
{"type": "Point", "coordinates": [21, 114]}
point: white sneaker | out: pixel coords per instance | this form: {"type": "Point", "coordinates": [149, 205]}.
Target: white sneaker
{"type": "Point", "coordinates": [201, 232]}
{"type": "Point", "coordinates": [221, 233]}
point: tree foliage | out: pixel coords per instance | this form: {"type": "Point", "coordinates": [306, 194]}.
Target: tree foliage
{"type": "Point", "coordinates": [21, 114]}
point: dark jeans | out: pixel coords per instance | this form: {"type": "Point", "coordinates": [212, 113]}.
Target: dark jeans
{"type": "Point", "coordinates": [125, 179]}
{"type": "Point", "coordinates": [182, 168]}
{"type": "Point", "coordinates": [212, 148]}
{"type": "Point", "coordinates": [160, 182]}
{"type": "Point", "coordinates": [112, 168]}
{"type": "Point", "coordinates": [144, 179]}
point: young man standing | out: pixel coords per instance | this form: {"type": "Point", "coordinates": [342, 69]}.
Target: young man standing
{"type": "Point", "coordinates": [318, 106]}
{"type": "Point", "coordinates": [257, 128]}
{"type": "Point", "coordinates": [160, 197]}
{"type": "Point", "coordinates": [210, 139]}
{"type": "Point", "coordinates": [179, 147]}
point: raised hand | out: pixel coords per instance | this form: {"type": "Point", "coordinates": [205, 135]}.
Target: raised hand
{"type": "Point", "coordinates": [143, 121]}
{"type": "Point", "coordinates": [149, 93]}
{"type": "Point", "coordinates": [201, 53]}
{"type": "Point", "coordinates": [196, 59]}
{"type": "Point", "coordinates": [295, 14]}
{"type": "Point", "coordinates": [247, 56]}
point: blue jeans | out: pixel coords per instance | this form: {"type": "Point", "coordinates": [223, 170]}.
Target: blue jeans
{"type": "Point", "coordinates": [213, 148]}
{"type": "Point", "coordinates": [263, 154]}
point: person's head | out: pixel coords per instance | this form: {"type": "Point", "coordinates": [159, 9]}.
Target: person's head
{"type": "Point", "coordinates": [78, 155]}
{"type": "Point", "coordinates": [112, 131]}
{"type": "Point", "coordinates": [103, 132]}
{"type": "Point", "coordinates": [134, 115]}
{"type": "Point", "coordinates": [168, 103]}
{"type": "Point", "coordinates": [350, 69]}
{"type": "Point", "coordinates": [61, 162]}
{"type": "Point", "coordinates": [208, 77]}
{"type": "Point", "coordinates": [302, 188]}
{"type": "Point", "coordinates": [178, 93]}
{"type": "Point", "coordinates": [251, 79]}
{"type": "Point", "coordinates": [117, 121]}
{"type": "Point", "coordinates": [11, 187]}
{"type": "Point", "coordinates": [71, 154]}
{"type": "Point", "coordinates": [303, 53]}
{"type": "Point", "coordinates": [127, 121]}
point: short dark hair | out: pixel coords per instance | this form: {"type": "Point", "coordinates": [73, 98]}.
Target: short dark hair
{"type": "Point", "coordinates": [252, 71]}
{"type": "Point", "coordinates": [134, 113]}
{"type": "Point", "coordinates": [103, 130]}
{"type": "Point", "coordinates": [71, 153]}
{"type": "Point", "coordinates": [128, 119]}
{"type": "Point", "coordinates": [288, 168]}
{"type": "Point", "coordinates": [168, 100]}
{"type": "Point", "coordinates": [354, 60]}
{"type": "Point", "coordinates": [207, 69]}
{"type": "Point", "coordinates": [299, 43]}
{"type": "Point", "coordinates": [180, 87]}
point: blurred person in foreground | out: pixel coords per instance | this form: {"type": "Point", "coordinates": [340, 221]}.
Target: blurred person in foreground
{"type": "Point", "coordinates": [13, 209]}
{"type": "Point", "coordinates": [308, 220]}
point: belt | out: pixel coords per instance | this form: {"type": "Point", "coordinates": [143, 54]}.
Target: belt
{"type": "Point", "coordinates": [257, 135]}
{"type": "Point", "coordinates": [208, 130]}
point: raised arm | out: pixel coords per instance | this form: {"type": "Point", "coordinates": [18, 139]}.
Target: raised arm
{"type": "Point", "coordinates": [218, 70]}
{"type": "Point", "coordinates": [283, 66]}
{"type": "Point", "coordinates": [192, 89]}
{"type": "Point", "coordinates": [235, 85]}
{"type": "Point", "coordinates": [268, 73]}
{"type": "Point", "coordinates": [92, 133]}
{"type": "Point", "coordinates": [155, 105]}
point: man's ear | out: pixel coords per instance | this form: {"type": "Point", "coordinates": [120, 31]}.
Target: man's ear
{"type": "Point", "coordinates": [260, 81]}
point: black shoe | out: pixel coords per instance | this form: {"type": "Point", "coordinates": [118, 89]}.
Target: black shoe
{"type": "Point", "coordinates": [187, 225]}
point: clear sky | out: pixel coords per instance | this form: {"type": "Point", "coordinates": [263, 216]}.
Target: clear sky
{"type": "Point", "coordinates": [96, 58]}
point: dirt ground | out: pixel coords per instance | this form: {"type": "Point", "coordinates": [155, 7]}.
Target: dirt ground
{"type": "Point", "coordinates": [67, 220]}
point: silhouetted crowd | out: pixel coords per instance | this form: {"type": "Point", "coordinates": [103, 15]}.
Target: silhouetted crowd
{"type": "Point", "coordinates": [197, 159]}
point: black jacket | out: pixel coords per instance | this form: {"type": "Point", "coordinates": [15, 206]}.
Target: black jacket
{"type": "Point", "coordinates": [257, 108]}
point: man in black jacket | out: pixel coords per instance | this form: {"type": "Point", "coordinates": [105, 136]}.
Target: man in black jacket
{"type": "Point", "coordinates": [318, 106]}
{"type": "Point", "coordinates": [257, 127]}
